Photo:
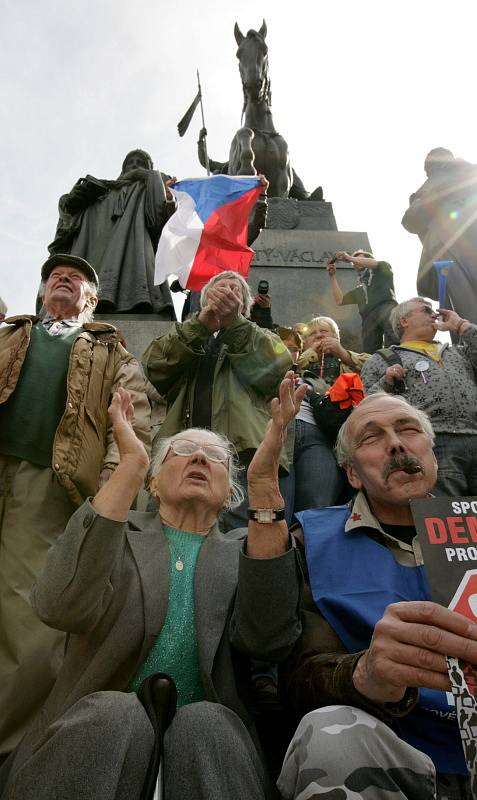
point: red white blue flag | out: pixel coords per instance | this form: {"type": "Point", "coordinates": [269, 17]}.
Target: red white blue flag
{"type": "Point", "coordinates": [208, 232]}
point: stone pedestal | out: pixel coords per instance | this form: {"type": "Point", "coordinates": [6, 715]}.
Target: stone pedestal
{"type": "Point", "coordinates": [293, 258]}
{"type": "Point", "coordinates": [138, 330]}
{"type": "Point", "coordinates": [312, 215]}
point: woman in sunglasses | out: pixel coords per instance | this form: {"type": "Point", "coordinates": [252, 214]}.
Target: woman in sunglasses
{"type": "Point", "coordinates": [141, 593]}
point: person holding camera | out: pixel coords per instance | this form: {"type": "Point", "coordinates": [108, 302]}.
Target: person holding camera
{"type": "Point", "coordinates": [374, 295]}
{"type": "Point", "coordinates": [261, 311]}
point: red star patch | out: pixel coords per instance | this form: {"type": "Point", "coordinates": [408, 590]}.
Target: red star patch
{"type": "Point", "coordinates": [356, 517]}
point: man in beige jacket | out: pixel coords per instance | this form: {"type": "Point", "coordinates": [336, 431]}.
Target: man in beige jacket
{"type": "Point", "coordinates": [57, 376]}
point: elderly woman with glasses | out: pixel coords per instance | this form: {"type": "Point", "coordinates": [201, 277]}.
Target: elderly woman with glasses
{"type": "Point", "coordinates": [141, 593]}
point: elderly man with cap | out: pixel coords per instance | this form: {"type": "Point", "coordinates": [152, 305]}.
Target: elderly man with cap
{"type": "Point", "coordinates": [57, 376]}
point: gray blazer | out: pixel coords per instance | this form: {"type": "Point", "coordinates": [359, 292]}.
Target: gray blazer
{"type": "Point", "coordinates": [107, 584]}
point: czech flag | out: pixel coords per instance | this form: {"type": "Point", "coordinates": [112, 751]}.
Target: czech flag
{"type": "Point", "coordinates": [208, 232]}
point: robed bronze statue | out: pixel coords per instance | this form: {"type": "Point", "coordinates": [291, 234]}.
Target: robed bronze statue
{"type": "Point", "coordinates": [116, 225]}
{"type": "Point", "coordinates": [443, 213]}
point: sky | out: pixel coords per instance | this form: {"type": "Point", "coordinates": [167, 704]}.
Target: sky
{"type": "Point", "coordinates": [360, 91]}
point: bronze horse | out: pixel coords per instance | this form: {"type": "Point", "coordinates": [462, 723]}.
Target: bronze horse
{"type": "Point", "coordinates": [258, 135]}
{"type": "Point", "coordinates": [257, 147]}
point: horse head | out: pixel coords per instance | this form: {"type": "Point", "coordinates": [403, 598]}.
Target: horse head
{"type": "Point", "coordinates": [252, 54]}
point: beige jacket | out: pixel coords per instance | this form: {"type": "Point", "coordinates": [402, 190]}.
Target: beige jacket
{"type": "Point", "coordinates": [310, 356]}
{"type": "Point", "coordinates": [99, 364]}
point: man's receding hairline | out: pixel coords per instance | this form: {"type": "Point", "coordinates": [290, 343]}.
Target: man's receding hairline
{"type": "Point", "coordinates": [353, 417]}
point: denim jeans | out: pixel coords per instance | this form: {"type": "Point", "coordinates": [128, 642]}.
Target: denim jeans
{"type": "Point", "coordinates": [315, 479]}
{"type": "Point", "coordinates": [456, 455]}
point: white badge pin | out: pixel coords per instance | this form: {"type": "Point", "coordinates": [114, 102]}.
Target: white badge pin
{"type": "Point", "coordinates": [422, 366]}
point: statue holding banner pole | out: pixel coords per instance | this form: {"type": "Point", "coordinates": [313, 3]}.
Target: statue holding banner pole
{"type": "Point", "coordinates": [257, 147]}
{"type": "Point", "coordinates": [443, 213]}
{"type": "Point", "coordinates": [184, 123]}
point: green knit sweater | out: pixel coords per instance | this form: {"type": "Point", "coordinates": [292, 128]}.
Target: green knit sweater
{"type": "Point", "coordinates": [175, 649]}
{"type": "Point", "coordinates": [31, 415]}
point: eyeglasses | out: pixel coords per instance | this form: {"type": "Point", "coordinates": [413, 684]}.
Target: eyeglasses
{"type": "Point", "coordinates": [214, 452]}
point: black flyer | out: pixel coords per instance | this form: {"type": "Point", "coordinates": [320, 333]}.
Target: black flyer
{"type": "Point", "coordinates": [447, 533]}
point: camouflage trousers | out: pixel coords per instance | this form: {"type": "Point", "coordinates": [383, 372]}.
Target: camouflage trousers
{"type": "Point", "coordinates": [343, 753]}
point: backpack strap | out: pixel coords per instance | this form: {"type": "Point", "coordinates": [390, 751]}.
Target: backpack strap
{"type": "Point", "coordinates": [389, 356]}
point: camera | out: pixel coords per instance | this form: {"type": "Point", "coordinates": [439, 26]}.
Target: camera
{"type": "Point", "coordinates": [263, 287]}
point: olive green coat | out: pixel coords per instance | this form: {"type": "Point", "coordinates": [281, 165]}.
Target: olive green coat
{"type": "Point", "coordinates": [251, 363]}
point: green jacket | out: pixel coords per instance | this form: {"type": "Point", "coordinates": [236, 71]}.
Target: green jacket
{"type": "Point", "coordinates": [251, 363]}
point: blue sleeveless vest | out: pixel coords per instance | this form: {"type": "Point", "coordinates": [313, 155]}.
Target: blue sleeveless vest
{"type": "Point", "coordinates": [353, 578]}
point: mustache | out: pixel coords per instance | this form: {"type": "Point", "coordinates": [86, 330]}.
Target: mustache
{"type": "Point", "coordinates": [403, 461]}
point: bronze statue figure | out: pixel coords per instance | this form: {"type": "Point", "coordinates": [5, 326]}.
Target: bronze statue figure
{"type": "Point", "coordinates": [257, 147]}
{"type": "Point", "coordinates": [269, 151]}
{"type": "Point", "coordinates": [443, 213]}
{"type": "Point", "coordinates": [116, 225]}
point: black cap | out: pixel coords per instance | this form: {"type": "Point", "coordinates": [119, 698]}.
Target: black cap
{"type": "Point", "coordinates": [66, 260]}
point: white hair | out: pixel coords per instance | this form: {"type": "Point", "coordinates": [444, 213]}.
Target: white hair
{"type": "Point", "coordinates": [402, 311]}
{"type": "Point", "coordinates": [344, 445]}
{"type": "Point", "coordinates": [313, 324]}
{"type": "Point", "coordinates": [247, 298]}
{"type": "Point", "coordinates": [236, 493]}
{"type": "Point", "coordinates": [88, 313]}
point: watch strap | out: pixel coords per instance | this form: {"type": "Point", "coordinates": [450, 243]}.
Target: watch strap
{"type": "Point", "coordinates": [266, 515]}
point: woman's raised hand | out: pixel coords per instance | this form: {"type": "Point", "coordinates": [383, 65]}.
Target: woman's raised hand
{"type": "Point", "coordinates": [284, 408]}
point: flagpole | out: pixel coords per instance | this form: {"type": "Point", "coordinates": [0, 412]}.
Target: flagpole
{"type": "Point", "coordinates": [203, 125]}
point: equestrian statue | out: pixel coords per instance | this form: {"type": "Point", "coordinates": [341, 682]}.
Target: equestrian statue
{"type": "Point", "coordinates": [257, 147]}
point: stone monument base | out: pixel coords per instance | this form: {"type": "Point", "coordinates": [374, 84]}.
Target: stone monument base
{"type": "Point", "coordinates": [304, 215]}
{"type": "Point", "coordinates": [294, 264]}
{"type": "Point", "coordinates": [138, 330]}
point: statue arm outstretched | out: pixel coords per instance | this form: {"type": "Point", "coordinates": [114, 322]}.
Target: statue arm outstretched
{"type": "Point", "coordinates": [215, 167]}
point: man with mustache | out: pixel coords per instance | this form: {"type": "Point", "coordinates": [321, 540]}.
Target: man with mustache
{"type": "Point", "coordinates": [438, 379]}
{"type": "Point", "coordinates": [370, 670]}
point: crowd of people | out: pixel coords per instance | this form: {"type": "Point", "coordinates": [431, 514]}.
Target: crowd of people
{"type": "Point", "coordinates": [278, 570]}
